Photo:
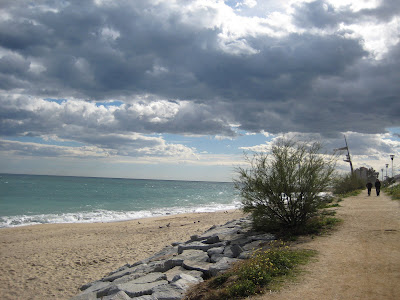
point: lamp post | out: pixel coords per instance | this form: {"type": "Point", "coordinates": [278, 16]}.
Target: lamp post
{"type": "Point", "coordinates": [382, 174]}
{"type": "Point", "coordinates": [391, 157]}
{"type": "Point", "coordinates": [387, 165]}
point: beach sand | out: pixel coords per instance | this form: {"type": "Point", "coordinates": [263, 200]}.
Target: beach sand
{"type": "Point", "coordinates": [52, 261]}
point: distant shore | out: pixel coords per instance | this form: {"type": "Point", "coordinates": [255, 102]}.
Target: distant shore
{"type": "Point", "coordinates": [52, 261]}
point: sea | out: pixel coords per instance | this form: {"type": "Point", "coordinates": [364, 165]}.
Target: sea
{"type": "Point", "coordinates": [41, 199]}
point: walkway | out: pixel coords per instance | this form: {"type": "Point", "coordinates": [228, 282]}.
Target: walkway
{"type": "Point", "coordinates": [360, 260]}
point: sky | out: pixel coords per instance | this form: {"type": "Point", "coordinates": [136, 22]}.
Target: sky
{"type": "Point", "coordinates": [181, 89]}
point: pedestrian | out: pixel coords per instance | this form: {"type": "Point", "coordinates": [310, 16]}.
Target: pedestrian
{"type": "Point", "coordinates": [377, 186]}
{"type": "Point", "coordinates": [369, 187]}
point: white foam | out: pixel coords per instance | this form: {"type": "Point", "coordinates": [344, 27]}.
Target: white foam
{"type": "Point", "coordinates": [105, 216]}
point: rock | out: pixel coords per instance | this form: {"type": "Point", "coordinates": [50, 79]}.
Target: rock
{"type": "Point", "coordinates": [211, 228]}
{"type": "Point", "coordinates": [128, 278]}
{"type": "Point", "coordinates": [212, 239]}
{"type": "Point", "coordinates": [241, 240]}
{"type": "Point", "coordinates": [168, 292]}
{"type": "Point", "coordinates": [85, 296]}
{"type": "Point", "coordinates": [152, 277]}
{"type": "Point", "coordinates": [222, 265]}
{"type": "Point", "coordinates": [184, 281]}
{"type": "Point", "coordinates": [216, 257]}
{"type": "Point", "coordinates": [139, 269]}
{"type": "Point", "coordinates": [166, 253]}
{"type": "Point", "coordinates": [223, 233]}
{"type": "Point", "coordinates": [187, 277]}
{"type": "Point", "coordinates": [163, 266]}
{"type": "Point", "coordinates": [170, 272]}
{"type": "Point", "coordinates": [197, 246]}
{"type": "Point", "coordinates": [236, 250]}
{"type": "Point", "coordinates": [180, 270]}
{"type": "Point", "coordinates": [194, 238]}
{"type": "Point", "coordinates": [216, 250]}
{"type": "Point", "coordinates": [98, 288]}
{"type": "Point", "coordinates": [233, 251]}
{"type": "Point", "coordinates": [124, 267]}
{"type": "Point", "coordinates": [263, 237]}
{"type": "Point", "coordinates": [197, 255]}
{"type": "Point", "coordinates": [245, 255]}
{"type": "Point", "coordinates": [228, 252]}
{"type": "Point", "coordinates": [203, 267]}
{"type": "Point", "coordinates": [145, 297]}
{"type": "Point", "coordinates": [88, 285]}
{"type": "Point", "coordinates": [252, 245]}
{"type": "Point", "coordinates": [118, 296]}
{"type": "Point", "coordinates": [133, 289]}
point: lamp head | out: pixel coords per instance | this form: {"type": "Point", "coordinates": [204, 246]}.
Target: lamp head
{"type": "Point", "coordinates": [391, 156]}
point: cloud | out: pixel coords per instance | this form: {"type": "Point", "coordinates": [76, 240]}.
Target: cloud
{"type": "Point", "coordinates": [39, 150]}
{"type": "Point", "coordinates": [366, 150]}
{"type": "Point", "coordinates": [195, 68]}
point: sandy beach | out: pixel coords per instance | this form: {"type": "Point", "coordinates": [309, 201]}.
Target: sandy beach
{"type": "Point", "coordinates": [52, 261]}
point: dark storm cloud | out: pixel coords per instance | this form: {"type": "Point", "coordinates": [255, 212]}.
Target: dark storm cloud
{"type": "Point", "coordinates": [305, 82]}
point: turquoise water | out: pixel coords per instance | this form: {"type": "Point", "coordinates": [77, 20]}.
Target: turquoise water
{"type": "Point", "coordinates": [35, 199]}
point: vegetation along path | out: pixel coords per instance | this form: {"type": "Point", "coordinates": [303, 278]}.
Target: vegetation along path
{"type": "Point", "coordinates": [359, 260]}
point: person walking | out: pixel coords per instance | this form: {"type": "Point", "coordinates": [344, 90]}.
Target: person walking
{"type": "Point", "coordinates": [377, 186]}
{"type": "Point", "coordinates": [369, 187]}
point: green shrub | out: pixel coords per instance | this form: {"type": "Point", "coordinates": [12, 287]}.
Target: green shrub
{"type": "Point", "coordinates": [242, 288]}
{"type": "Point", "coordinates": [345, 184]}
{"type": "Point", "coordinates": [393, 191]}
{"type": "Point", "coordinates": [281, 191]}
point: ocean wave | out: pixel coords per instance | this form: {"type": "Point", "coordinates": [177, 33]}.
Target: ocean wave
{"type": "Point", "coordinates": [106, 216]}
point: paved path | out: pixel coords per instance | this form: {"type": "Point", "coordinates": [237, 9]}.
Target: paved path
{"type": "Point", "coordinates": [360, 260]}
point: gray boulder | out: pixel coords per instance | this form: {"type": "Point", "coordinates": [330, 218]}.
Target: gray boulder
{"type": "Point", "coordinates": [197, 246]}
{"type": "Point", "coordinates": [203, 267]}
{"type": "Point", "coordinates": [197, 255]}
{"type": "Point", "coordinates": [118, 296]}
{"type": "Point", "coordinates": [233, 251]}
{"type": "Point", "coordinates": [180, 270]}
{"type": "Point", "coordinates": [85, 296]}
{"type": "Point", "coordinates": [168, 292]}
{"type": "Point", "coordinates": [133, 289]}
{"type": "Point", "coordinates": [216, 250]}
{"type": "Point", "coordinates": [222, 265]}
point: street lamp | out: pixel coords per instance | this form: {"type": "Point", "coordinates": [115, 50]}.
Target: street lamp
{"type": "Point", "coordinates": [391, 157]}
{"type": "Point", "coordinates": [387, 165]}
{"type": "Point", "coordinates": [382, 174]}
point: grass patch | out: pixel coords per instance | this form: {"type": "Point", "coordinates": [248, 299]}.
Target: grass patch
{"type": "Point", "coordinates": [350, 194]}
{"type": "Point", "coordinates": [393, 191]}
{"type": "Point", "coordinates": [264, 270]}
{"type": "Point", "coordinates": [320, 224]}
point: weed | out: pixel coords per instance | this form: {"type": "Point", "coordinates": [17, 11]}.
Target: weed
{"type": "Point", "coordinates": [350, 194]}
{"type": "Point", "coordinates": [393, 191]}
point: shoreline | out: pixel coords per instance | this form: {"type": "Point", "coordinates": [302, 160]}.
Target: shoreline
{"type": "Point", "coordinates": [53, 260]}
{"type": "Point", "coordinates": [152, 215]}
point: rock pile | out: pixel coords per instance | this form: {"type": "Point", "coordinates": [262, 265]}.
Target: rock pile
{"type": "Point", "coordinates": [169, 273]}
